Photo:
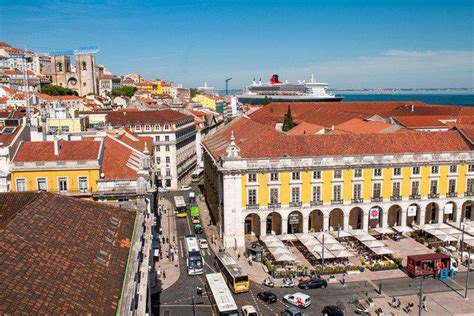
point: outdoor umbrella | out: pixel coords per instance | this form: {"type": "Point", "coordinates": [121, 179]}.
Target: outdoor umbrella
{"type": "Point", "coordinates": [341, 234]}
{"type": "Point", "coordinates": [373, 243]}
{"type": "Point", "coordinates": [274, 243]}
{"type": "Point", "coordinates": [335, 247]}
{"type": "Point", "coordinates": [268, 238]}
{"type": "Point", "coordinates": [305, 237]}
{"type": "Point", "coordinates": [446, 238]}
{"type": "Point", "coordinates": [436, 232]}
{"type": "Point", "coordinates": [284, 257]}
{"type": "Point", "coordinates": [358, 232]}
{"type": "Point", "coordinates": [342, 253]}
{"type": "Point", "coordinates": [287, 237]}
{"type": "Point", "coordinates": [316, 248]}
{"type": "Point", "coordinates": [402, 229]}
{"type": "Point", "coordinates": [278, 251]}
{"type": "Point", "coordinates": [365, 238]}
{"type": "Point", "coordinates": [310, 243]}
{"type": "Point", "coordinates": [381, 251]}
{"type": "Point", "coordinates": [384, 230]}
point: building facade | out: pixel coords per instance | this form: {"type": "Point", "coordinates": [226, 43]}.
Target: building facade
{"type": "Point", "coordinates": [283, 188]}
{"type": "Point", "coordinates": [82, 79]}
{"type": "Point", "coordinates": [174, 135]}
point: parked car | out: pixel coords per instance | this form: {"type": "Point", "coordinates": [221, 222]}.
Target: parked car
{"type": "Point", "coordinates": [249, 310]}
{"type": "Point", "coordinates": [332, 310]}
{"type": "Point", "coordinates": [203, 243]}
{"type": "Point", "coordinates": [298, 299]}
{"type": "Point", "coordinates": [163, 190]}
{"type": "Point", "coordinates": [313, 284]}
{"type": "Point", "coordinates": [198, 229]}
{"type": "Point", "coordinates": [292, 311]}
{"type": "Point", "coordinates": [184, 188]}
{"type": "Point", "coordinates": [267, 297]}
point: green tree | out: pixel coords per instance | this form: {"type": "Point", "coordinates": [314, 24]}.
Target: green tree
{"type": "Point", "coordinates": [127, 91]}
{"type": "Point", "coordinates": [267, 100]}
{"type": "Point", "coordinates": [57, 90]}
{"type": "Point", "coordinates": [288, 121]}
{"type": "Point", "coordinates": [193, 92]}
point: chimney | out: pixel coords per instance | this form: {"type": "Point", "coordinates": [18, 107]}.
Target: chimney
{"type": "Point", "coordinates": [56, 146]}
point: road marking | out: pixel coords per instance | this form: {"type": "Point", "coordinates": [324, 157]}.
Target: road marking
{"type": "Point", "coordinates": [186, 305]}
{"type": "Point", "coordinates": [181, 252]}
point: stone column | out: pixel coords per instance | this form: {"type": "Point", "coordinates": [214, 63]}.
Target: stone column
{"type": "Point", "coordinates": [305, 224]}
{"type": "Point", "coordinates": [263, 227]}
{"type": "Point", "coordinates": [284, 225]}
{"type": "Point", "coordinates": [422, 216]}
{"type": "Point", "coordinates": [458, 214]}
{"type": "Point", "coordinates": [404, 217]}
{"type": "Point", "coordinates": [384, 218]}
{"type": "Point", "coordinates": [365, 222]}
{"type": "Point", "coordinates": [346, 222]}
{"type": "Point", "coordinates": [326, 223]}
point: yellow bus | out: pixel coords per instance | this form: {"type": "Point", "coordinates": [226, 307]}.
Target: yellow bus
{"type": "Point", "coordinates": [236, 278]}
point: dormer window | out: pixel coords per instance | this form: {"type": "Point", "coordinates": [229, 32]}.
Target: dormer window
{"type": "Point", "coordinates": [138, 128]}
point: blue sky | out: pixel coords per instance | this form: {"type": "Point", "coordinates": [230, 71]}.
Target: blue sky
{"type": "Point", "coordinates": [349, 44]}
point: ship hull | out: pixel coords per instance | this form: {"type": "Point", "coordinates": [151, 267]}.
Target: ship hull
{"type": "Point", "coordinates": [260, 99]}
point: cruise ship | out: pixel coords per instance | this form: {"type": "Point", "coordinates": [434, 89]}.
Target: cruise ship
{"type": "Point", "coordinates": [277, 91]}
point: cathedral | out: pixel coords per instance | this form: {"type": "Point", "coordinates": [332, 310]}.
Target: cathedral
{"type": "Point", "coordinates": [81, 78]}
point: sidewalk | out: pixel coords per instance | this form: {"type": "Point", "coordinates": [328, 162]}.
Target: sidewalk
{"type": "Point", "coordinates": [169, 271]}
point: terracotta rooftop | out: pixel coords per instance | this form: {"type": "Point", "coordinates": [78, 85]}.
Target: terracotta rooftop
{"type": "Point", "coordinates": [120, 162]}
{"type": "Point", "coordinates": [360, 126]}
{"type": "Point", "coordinates": [131, 117]}
{"type": "Point", "coordinates": [72, 262]}
{"type": "Point", "coordinates": [68, 151]}
{"type": "Point", "coordinates": [6, 138]}
{"type": "Point", "coordinates": [256, 140]}
{"type": "Point", "coordinates": [305, 128]}
{"type": "Point", "coordinates": [427, 121]}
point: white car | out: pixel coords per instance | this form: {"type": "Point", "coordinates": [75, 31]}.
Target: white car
{"type": "Point", "coordinates": [163, 190]}
{"type": "Point", "coordinates": [203, 243]}
{"type": "Point", "coordinates": [249, 310]}
{"type": "Point", "coordinates": [298, 299]}
{"type": "Point", "coordinates": [184, 188]}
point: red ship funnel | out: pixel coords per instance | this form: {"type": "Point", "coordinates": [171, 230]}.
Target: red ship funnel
{"type": "Point", "coordinates": [274, 79]}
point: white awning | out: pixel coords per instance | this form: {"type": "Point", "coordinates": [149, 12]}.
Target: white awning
{"type": "Point", "coordinates": [342, 254]}
{"type": "Point", "coordinates": [278, 251]}
{"type": "Point", "coordinates": [340, 234]}
{"type": "Point", "coordinates": [403, 229]}
{"type": "Point", "coordinates": [384, 230]}
{"type": "Point", "coordinates": [365, 237]}
{"type": "Point", "coordinates": [335, 247]}
{"type": "Point", "coordinates": [358, 232]}
{"type": "Point", "coordinates": [287, 237]}
{"type": "Point", "coordinates": [284, 257]}
{"type": "Point", "coordinates": [446, 238]}
{"type": "Point", "coordinates": [381, 251]}
{"type": "Point", "coordinates": [373, 243]}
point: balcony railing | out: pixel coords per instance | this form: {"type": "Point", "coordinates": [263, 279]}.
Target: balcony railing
{"type": "Point", "coordinates": [376, 199]}
{"type": "Point", "coordinates": [415, 197]}
{"type": "Point", "coordinates": [358, 200]}
{"type": "Point", "coordinates": [295, 204]}
{"type": "Point", "coordinates": [395, 198]}
{"type": "Point", "coordinates": [339, 201]}
{"type": "Point", "coordinates": [274, 205]}
{"type": "Point", "coordinates": [433, 195]}
{"type": "Point", "coordinates": [252, 206]}
{"type": "Point", "coordinates": [468, 193]}
{"type": "Point", "coordinates": [452, 194]}
{"type": "Point", "coordinates": [315, 203]}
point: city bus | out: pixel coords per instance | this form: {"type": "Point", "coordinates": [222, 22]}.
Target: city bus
{"type": "Point", "coordinates": [194, 259]}
{"type": "Point", "coordinates": [196, 176]}
{"type": "Point", "coordinates": [180, 206]}
{"type": "Point", "coordinates": [220, 297]}
{"type": "Point", "coordinates": [236, 278]}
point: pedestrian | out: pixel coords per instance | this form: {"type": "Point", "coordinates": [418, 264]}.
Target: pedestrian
{"type": "Point", "coordinates": [238, 255]}
{"type": "Point", "coordinates": [164, 240]}
{"type": "Point", "coordinates": [164, 274]}
{"type": "Point", "coordinates": [167, 240]}
{"type": "Point", "coordinates": [424, 304]}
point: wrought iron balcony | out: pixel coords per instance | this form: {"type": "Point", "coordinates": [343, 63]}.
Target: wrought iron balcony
{"type": "Point", "coordinates": [274, 205]}
{"type": "Point", "coordinates": [395, 198]}
{"type": "Point", "coordinates": [337, 201]}
{"type": "Point", "coordinates": [315, 203]}
{"type": "Point", "coordinates": [468, 193]}
{"type": "Point", "coordinates": [433, 195]}
{"type": "Point", "coordinates": [358, 200]}
{"type": "Point", "coordinates": [376, 199]}
{"type": "Point", "coordinates": [415, 197]}
{"type": "Point", "coordinates": [295, 204]}
{"type": "Point", "coordinates": [252, 206]}
{"type": "Point", "coordinates": [452, 194]}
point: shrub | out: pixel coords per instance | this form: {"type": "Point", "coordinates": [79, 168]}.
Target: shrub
{"type": "Point", "coordinates": [398, 260]}
{"type": "Point", "coordinates": [271, 268]}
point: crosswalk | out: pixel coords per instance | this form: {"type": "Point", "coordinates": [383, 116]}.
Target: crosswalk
{"type": "Point", "coordinates": [206, 252]}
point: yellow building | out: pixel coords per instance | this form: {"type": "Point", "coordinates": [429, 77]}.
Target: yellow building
{"type": "Point", "coordinates": [260, 181]}
{"type": "Point", "coordinates": [65, 167]}
{"type": "Point", "coordinates": [212, 102]}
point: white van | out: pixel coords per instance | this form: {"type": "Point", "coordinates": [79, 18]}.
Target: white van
{"type": "Point", "coordinates": [298, 299]}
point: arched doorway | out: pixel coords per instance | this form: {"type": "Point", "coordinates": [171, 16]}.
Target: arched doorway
{"type": "Point", "coordinates": [467, 212]}
{"type": "Point", "coordinates": [432, 213]}
{"type": "Point", "coordinates": [295, 222]}
{"type": "Point", "coordinates": [394, 216]}
{"type": "Point", "coordinates": [375, 217]}
{"type": "Point", "coordinates": [252, 225]}
{"type": "Point", "coordinates": [316, 219]}
{"type": "Point", "coordinates": [449, 212]}
{"type": "Point", "coordinates": [336, 219]}
{"type": "Point", "coordinates": [413, 215]}
{"type": "Point", "coordinates": [274, 223]}
{"type": "Point", "coordinates": [356, 217]}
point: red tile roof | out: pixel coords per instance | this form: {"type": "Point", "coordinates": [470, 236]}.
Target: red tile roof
{"type": "Point", "coordinates": [72, 262]}
{"type": "Point", "coordinates": [122, 118]}
{"type": "Point", "coordinates": [249, 136]}
{"type": "Point", "coordinates": [69, 151]}
{"type": "Point", "coordinates": [427, 121]}
{"type": "Point", "coordinates": [115, 164]}
{"type": "Point", "coordinates": [7, 138]}
{"type": "Point", "coordinates": [304, 128]}
{"type": "Point", "coordinates": [360, 126]}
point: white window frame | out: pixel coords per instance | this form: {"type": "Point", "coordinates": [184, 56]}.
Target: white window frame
{"type": "Point", "coordinates": [418, 187]}
{"type": "Point", "coordinates": [295, 173]}
{"type": "Point", "coordinates": [470, 168]}
{"type": "Point", "coordinates": [341, 193]}
{"type": "Point", "coordinates": [455, 185]}
{"type": "Point", "coordinates": [24, 181]}
{"type": "Point", "coordinates": [337, 172]}
{"type": "Point", "coordinates": [277, 177]}
{"type": "Point", "coordinates": [147, 128]}
{"type": "Point", "coordinates": [317, 175]}
{"type": "Point", "coordinates": [467, 185]}
{"type": "Point", "coordinates": [437, 187]}
{"type": "Point", "coordinates": [320, 192]}
{"type": "Point", "coordinates": [399, 188]}
{"type": "Point", "coordinates": [79, 182]}
{"type": "Point", "coordinates": [138, 128]}
{"type": "Point", "coordinates": [361, 173]}
{"type": "Point", "coordinates": [250, 178]}
{"type": "Point", "coordinates": [248, 196]}
{"type": "Point", "coordinates": [361, 190]}
{"type": "Point", "coordinates": [270, 194]}
{"type": "Point", "coordinates": [156, 127]}
{"type": "Point", "coordinates": [375, 173]}
{"type": "Point", "coordinates": [59, 184]}
{"type": "Point", "coordinates": [45, 182]}
{"type": "Point", "coordinates": [381, 189]}
{"type": "Point", "coordinates": [291, 194]}
{"type": "Point", "coordinates": [437, 170]}
{"type": "Point", "coordinates": [397, 168]}
{"type": "Point", "coordinates": [455, 167]}
{"type": "Point", "coordinates": [413, 171]}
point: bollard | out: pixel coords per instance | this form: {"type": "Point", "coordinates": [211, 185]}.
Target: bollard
{"type": "Point", "coordinates": [380, 288]}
